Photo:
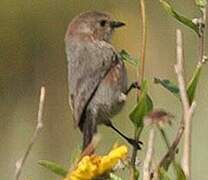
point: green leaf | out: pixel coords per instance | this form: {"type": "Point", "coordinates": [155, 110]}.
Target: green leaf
{"type": "Point", "coordinates": [201, 3]}
{"type": "Point", "coordinates": [193, 83]}
{"type": "Point", "coordinates": [136, 173]}
{"type": "Point", "coordinates": [191, 88]}
{"type": "Point", "coordinates": [114, 177]}
{"type": "Point", "coordinates": [184, 20]}
{"type": "Point", "coordinates": [179, 172]}
{"type": "Point", "coordinates": [144, 106]}
{"type": "Point", "coordinates": [56, 168]}
{"type": "Point", "coordinates": [167, 84]}
{"type": "Point", "coordinates": [163, 175]}
{"type": "Point", "coordinates": [126, 57]}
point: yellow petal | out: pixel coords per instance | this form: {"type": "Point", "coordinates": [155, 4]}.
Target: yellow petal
{"type": "Point", "coordinates": [85, 170]}
{"type": "Point", "coordinates": [109, 161]}
{"type": "Point", "coordinates": [92, 166]}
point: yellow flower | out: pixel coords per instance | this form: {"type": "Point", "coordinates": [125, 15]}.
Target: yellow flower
{"type": "Point", "coordinates": [93, 166]}
{"type": "Point", "coordinates": [110, 160]}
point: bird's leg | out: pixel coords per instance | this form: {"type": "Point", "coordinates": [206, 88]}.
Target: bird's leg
{"type": "Point", "coordinates": [133, 86]}
{"type": "Point", "coordinates": [131, 141]}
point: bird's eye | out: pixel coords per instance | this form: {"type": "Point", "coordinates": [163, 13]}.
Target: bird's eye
{"type": "Point", "coordinates": [103, 23]}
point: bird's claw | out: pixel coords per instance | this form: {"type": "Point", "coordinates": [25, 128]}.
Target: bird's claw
{"type": "Point", "coordinates": [136, 85]}
{"type": "Point", "coordinates": [134, 143]}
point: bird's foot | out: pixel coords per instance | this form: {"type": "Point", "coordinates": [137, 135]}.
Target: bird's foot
{"type": "Point", "coordinates": [136, 144]}
{"type": "Point", "coordinates": [134, 85]}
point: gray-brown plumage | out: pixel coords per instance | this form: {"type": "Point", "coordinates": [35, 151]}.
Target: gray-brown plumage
{"type": "Point", "coordinates": [96, 74]}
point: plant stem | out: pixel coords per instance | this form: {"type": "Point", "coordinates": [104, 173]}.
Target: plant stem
{"type": "Point", "coordinates": [186, 107]}
{"type": "Point", "coordinates": [167, 143]}
{"type": "Point", "coordinates": [140, 78]}
{"type": "Point", "coordinates": [144, 41]}
{"type": "Point", "coordinates": [202, 37]}
{"type": "Point", "coordinates": [20, 163]}
{"type": "Point", "coordinates": [134, 153]}
{"type": "Point", "coordinates": [164, 136]}
{"type": "Point", "coordinates": [147, 167]}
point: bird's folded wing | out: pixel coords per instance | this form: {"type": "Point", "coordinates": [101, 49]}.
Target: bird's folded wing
{"type": "Point", "coordinates": [88, 66]}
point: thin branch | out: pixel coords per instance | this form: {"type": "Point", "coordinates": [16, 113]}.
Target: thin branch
{"type": "Point", "coordinates": [186, 114]}
{"type": "Point", "coordinates": [186, 158]}
{"type": "Point", "coordinates": [149, 156]}
{"type": "Point", "coordinates": [185, 103]}
{"type": "Point", "coordinates": [180, 71]}
{"type": "Point", "coordinates": [187, 109]}
{"type": "Point", "coordinates": [20, 163]}
{"type": "Point", "coordinates": [169, 156]}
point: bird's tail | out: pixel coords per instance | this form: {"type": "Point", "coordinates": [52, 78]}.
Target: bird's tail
{"type": "Point", "coordinates": [89, 129]}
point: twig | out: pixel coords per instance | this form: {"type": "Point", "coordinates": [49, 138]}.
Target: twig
{"type": "Point", "coordinates": [179, 71]}
{"type": "Point", "coordinates": [187, 109]}
{"type": "Point", "coordinates": [169, 156]}
{"type": "Point", "coordinates": [186, 158]}
{"type": "Point", "coordinates": [149, 156]}
{"type": "Point", "coordinates": [20, 163]}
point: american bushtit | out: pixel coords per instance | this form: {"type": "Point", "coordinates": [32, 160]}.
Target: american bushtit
{"type": "Point", "coordinates": [96, 74]}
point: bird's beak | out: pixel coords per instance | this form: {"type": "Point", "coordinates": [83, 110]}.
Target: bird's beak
{"type": "Point", "coordinates": [116, 24]}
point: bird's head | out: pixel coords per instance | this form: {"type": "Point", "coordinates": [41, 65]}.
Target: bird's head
{"type": "Point", "coordinates": [98, 25]}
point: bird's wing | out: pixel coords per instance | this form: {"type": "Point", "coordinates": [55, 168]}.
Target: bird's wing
{"type": "Point", "coordinates": [87, 66]}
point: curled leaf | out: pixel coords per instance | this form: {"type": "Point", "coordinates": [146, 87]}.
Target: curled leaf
{"type": "Point", "coordinates": [182, 19]}
{"type": "Point", "coordinates": [167, 84]}
{"type": "Point", "coordinates": [191, 88]}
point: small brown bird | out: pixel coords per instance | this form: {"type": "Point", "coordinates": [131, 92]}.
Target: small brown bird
{"type": "Point", "coordinates": [96, 74]}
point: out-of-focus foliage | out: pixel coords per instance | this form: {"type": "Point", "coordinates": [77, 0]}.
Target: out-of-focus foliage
{"type": "Point", "coordinates": [163, 175]}
{"type": "Point", "coordinates": [201, 3]}
{"type": "Point", "coordinates": [180, 173]}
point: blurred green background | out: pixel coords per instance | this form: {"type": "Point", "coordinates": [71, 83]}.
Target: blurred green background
{"type": "Point", "coordinates": [32, 54]}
